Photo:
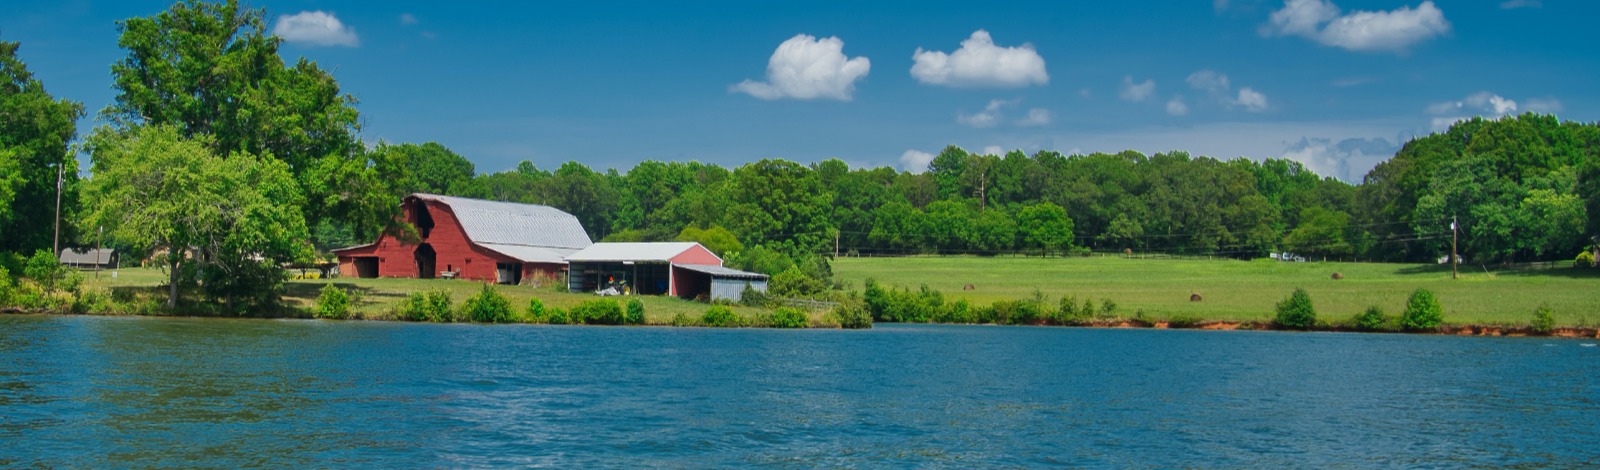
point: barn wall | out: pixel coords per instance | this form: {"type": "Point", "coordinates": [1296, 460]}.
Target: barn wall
{"type": "Point", "coordinates": [449, 242]}
{"type": "Point", "coordinates": [733, 289]}
{"type": "Point", "coordinates": [697, 255]}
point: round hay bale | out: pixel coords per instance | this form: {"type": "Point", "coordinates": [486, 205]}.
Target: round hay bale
{"type": "Point", "coordinates": [1194, 297]}
{"type": "Point", "coordinates": [968, 287]}
{"type": "Point", "coordinates": [1337, 276]}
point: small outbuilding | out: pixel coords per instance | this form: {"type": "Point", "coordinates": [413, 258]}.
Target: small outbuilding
{"type": "Point", "coordinates": [103, 258]}
{"type": "Point", "coordinates": [466, 238]}
{"type": "Point", "coordinates": [679, 269]}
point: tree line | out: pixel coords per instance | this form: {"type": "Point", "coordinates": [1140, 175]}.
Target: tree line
{"type": "Point", "coordinates": [225, 161]}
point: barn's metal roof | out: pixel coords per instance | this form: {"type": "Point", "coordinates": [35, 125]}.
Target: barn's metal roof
{"type": "Point", "coordinates": [509, 223]}
{"type": "Point", "coordinates": [531, 254]}
{"type": "Point", "coordinates": [632, 251]}
{"type": "Point", "coordinates": [89, 256]}
{"type": "Point", "coordinates": [719, 271]}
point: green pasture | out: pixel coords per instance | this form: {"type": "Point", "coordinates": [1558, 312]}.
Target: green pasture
{"type": "Point", "coordinates": [1243, 290]}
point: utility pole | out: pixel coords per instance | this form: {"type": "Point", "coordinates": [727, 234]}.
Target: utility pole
{"type": "Point", "coordinates": [56, 245]}
{"type": "Point", "coordinates": [1453, 258]}
{"type": "Point", "coordinates": [99, 244]}
{"type": "Point", "coordinates": [836, 244]}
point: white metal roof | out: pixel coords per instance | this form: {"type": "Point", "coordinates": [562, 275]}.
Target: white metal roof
{"type": "Point", "coordinates": [632, 251]}
{"type": "Point", "coordinates": [531, 254]}
{"type": "Point", "coordinates": [88, 256]}
{"type": "Point", "coordinates": [509, 223]}
{"type": "Point", "coordinates": [719, 271]}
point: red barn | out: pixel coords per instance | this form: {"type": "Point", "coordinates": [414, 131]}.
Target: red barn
{"type": "Point", "coordinates": [471, 239]}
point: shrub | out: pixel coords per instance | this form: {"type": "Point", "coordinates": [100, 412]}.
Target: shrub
{"type": "Point", "coordinates": [793, 283]}
{"type": "Point", "coordinates": [487, 306]}
{"type": "Point", "coordinates": [43, 268]}
{"type": "Point", "coordinates": [1108, 309]}
{"type": "Point", "coordinates": [635, 312]}
{"type": "Point", "coordinates": [1585, 259]}
{"type": "Point", "coordinates": [1183, 321]}
{"type": "Point", "coordinates": [598, 312]}
{"type": "Point", "coordinates": [1296, 311]}
{"type": "Point", "coordinates": [559, 316]}
{"type": "Point", "coordinates": [720, 316]}
{"type": "Point", "coordinates": [789, 317]}
{"type": "Point", "coordinates": [1543, 320]}
{"type": "Point", "coordinates": [751, 297]}
{"type": "Point", "coordinates": [1423, 312]}
{"type": "Point", "coordinates": [1370, 320]}
{"type": "Point", "coordinates": [852, 314]}
{"type": "Point", "coordinates": [535, 313]}
{"type": "Point", "coordinates": [683, 319]}
{"type": "Point", "coordinates": [434, 306]}
{"type": "Point", "coordinates": [334, 303]}
{"type": "Point", "coordinates": [7, 287]}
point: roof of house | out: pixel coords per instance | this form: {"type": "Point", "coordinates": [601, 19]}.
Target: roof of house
{"type": "Point", "coordinates": [531, 254]}
{"type": "Point", "coordinates": [90, 256]}
{"type": "Point", "coordinates": [719, 271]}
{"type": "Point", "coordinates": [631, 251]}
{"type": "Point", "coordinates": [508, 223]}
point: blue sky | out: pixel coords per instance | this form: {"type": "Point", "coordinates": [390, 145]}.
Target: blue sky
{"type": "Point", "coordinates": [1335, 84]}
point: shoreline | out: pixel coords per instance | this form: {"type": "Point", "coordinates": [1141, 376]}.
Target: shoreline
{"type": "Point", "coordinates": [1216, 325]}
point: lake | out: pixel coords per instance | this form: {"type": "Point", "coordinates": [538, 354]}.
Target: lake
{"type": "Point", "coordinates": [159, 392]}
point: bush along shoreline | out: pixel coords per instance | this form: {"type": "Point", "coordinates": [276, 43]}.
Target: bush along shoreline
{"type": "Point", "coordinates": [1424, 314]}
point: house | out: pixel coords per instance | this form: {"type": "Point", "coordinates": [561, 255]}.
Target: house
{"type": "Point", "coordinates": [103, 258]}
{"type": "Point", "coordinates": [680, 269]}
{"type": "Point", "coordinates": [465, 238]}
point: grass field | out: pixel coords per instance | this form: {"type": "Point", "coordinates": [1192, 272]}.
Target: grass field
{"type": "Point", "coordinates": [377, 297]}
{"type": "Point", "coordinates": [1243, 290]}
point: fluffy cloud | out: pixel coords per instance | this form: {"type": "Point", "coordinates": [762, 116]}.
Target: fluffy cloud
{"type": "Point", "coordinates": [408, 19]}
{"type": "Point", "coordinates": [316, 28]}
{"type": "Point", "coordinates": [805, 68]}
{"type": "Point", "coordinates": [1514, 4]}
{"type": "Point", "coordinates": [980, 63]}
{"type": "Point", "coordinates": [1252, 101]}
{"type": "Point", "coordinates": [1321, 21]}
{"type": "Point", "coordinates": [1176, 107]}
{"type": "Point", "coordinates": [915, 161]}
{"type": "Point", "coordinates": [1483, 104]}
{"type": "Point", "coordinates": [1137, 91]}
{"type": "Point", "coordinates": [1209, 80]}
{"type": "Point", "coordinates": [1347, 159]}
{"type": "Point", "coordinates": [986, 118]}
{"type": "Point", "coordinates": [995, 150]}
{"type": "Point", "coordinates": [1544, 105]}
{"type": "Point", "coordinates": [1036, 117]}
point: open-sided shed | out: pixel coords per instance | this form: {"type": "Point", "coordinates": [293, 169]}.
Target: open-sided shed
{"type": "Point", "coordinates": [680, 269]}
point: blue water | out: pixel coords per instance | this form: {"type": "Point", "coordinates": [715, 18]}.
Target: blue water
{"type": "Point", "coordinates": [155, 392]}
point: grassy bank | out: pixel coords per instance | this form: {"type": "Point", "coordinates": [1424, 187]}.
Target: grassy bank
{"type": "Point", "coordinates": [1243, 290]}
{"type": "Point", "coordinates": [378, 298]}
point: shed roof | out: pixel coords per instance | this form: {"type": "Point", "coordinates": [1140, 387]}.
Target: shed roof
{"type": "Point", "coordinates": [509, 223]}
{"type": "Point", "coordinates": [90, 256]}
{"type": "Point", "coordinates": [632, 251]}
{"type": "Point", "coordinates": [719, 271]}
{"type": "Point", "coordinates": [531, 254]}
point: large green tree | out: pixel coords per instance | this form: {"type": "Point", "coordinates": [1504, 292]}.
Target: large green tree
{"type": "Point", "coordinates": [212, 72]}
{"type": "Point", "coordinates": [155, 188]}
{"type": "Point", "coordinates": [35, 129]}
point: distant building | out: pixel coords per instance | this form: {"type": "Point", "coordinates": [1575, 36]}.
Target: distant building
{"type": "Point", "coordinates": [474, 239]}
{"type": "Point", "coordinates": [104, 258]}
{"type": "Point", "coordinates": [680, 269]}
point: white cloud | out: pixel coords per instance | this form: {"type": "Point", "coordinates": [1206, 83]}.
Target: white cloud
{"type": "Point", "coordinates": [1209, 80]}
{"type": "Point", "coordinates": [1322, 21]}
{"type": "Point", "coordinates": [408, 19]}
{"type": "Point", "coordinates": [1483, 104]}
{"type": "Point", "coordinates": [1137, 91]}
{"type": "Point", "coordinates": [1176, 107]}
{"type": "Point", "coordinates": [915, 161]}
{"type": "Point", "coordinates": [986, 118]}
{"type": "Point", "coordinates": [316, 28]}
{"type": "Point", "coordinates": [805, 68]}
{"type": "Point", "coordinates": [1036, 117]}
{"type": "Point", "coordinates": [980, 63]}
{"type": "Point", "coordinates": [1252, 101]}
{"type": "Point", "coordinates": [1348, 159]}
{"type": "Point", "coordinates": [1544, 105]}
{"type": "Point", "coordinates": [995, 150]}
{"type": "Point", "coordinates": [1514, 4]}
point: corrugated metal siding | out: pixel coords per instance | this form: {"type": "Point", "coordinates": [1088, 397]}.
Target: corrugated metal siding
{"type": "Point", "coordinates": [733, 289]}
{"type": "Point", "coordinates": [514, 224]}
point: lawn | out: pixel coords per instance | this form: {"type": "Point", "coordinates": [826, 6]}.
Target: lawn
{"type": "Point", "coordinates": [1243, 290]}
{"type": "Point", "coordinates": [377, 297]}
